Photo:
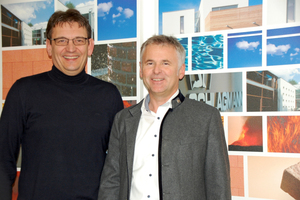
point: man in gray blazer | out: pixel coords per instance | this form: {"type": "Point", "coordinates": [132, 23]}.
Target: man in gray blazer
{"type": "Point", "coordinates": [167, 147]}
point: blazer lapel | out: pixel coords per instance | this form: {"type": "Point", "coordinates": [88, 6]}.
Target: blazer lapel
{"type": "Point", "coordinates": [131, 124]}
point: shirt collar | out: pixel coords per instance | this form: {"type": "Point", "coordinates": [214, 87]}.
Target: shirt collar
{"type": "Point", "coordinates": [145, 106]}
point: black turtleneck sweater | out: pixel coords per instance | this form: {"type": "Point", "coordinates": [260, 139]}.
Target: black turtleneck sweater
{"type": "Point", "coordinates": [63, 124]}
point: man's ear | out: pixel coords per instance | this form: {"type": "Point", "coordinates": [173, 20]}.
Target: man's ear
{"type": "Point", "coordinates": [91, 46]}
{"type": "Point", "coordinates": [49, 47]}
{"type": "Point", "coordinates": [141, 72]}
{"type": "Point", "coordinates": [181, 72]}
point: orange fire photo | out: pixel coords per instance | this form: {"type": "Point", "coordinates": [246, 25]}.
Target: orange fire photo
{"type": "Point", "coordinates": [245, 133]}
{"type": "Point", "coordinates": [284, 134]}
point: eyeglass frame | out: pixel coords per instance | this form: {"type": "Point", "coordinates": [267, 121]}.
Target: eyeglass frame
{"type": "Point", "coordinates": [54, 39]}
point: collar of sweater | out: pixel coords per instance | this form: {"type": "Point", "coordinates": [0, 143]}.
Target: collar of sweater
{"type": "Point", "coordinates": [59, 76]}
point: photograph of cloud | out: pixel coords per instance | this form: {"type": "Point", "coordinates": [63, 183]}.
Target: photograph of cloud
{"type": "Point", "coordinates": [116, 19]}
{"type": "Point", "coordinates": [283, 46]}
{"type": "Point", "coordinates": [245, 51]}
{"type": "Point", "coordinates": [28, 19]}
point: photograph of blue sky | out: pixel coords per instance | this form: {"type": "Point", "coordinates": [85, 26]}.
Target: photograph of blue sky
{"type": "Point", "coordinates": [245, 52]}
{"type": "Point", "coordinates": [37, 13]}
{"type": "Point", "coordinates": [288, 74]}
{"type": "Point", "coordinates": [283, 51]}
{"type": "Point", "coordinates": [175, 5]}
{"type": "Point", "coordinates": [116, 19]}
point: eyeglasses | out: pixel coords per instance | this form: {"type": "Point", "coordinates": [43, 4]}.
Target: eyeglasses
{"type": "Point", "coordinates": [78, 41]}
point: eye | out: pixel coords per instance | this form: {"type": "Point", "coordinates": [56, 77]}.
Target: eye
{"type": "Point", "coordinates": [166, 63]}
{"type": "Point", "coordinates": [80, 40]}
{"type": "Point", "coordinates": [149, 63]}
{"type": "Point", "coordinates": [61, 40]}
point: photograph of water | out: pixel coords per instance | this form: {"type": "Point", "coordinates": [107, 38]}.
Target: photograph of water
{"type": "Point", "coordinates": [207, 52]}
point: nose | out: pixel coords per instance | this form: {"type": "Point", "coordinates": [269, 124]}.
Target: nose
{"type": "Point", "coordinates": [156, 69]}
{"type": "Point", "coordinates": [70, 46]}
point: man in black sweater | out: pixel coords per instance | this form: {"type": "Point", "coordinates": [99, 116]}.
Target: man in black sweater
{"type": "Point", "coordinates": [61, 119]}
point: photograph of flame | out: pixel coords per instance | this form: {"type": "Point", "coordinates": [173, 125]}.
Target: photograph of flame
{"type": "Point", "coordinates": [284, 134]}
{"type": "Point", "coordinates": [245, 133]}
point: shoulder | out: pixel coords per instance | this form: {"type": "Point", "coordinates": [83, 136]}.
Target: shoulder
{"type": "Point", "coordinates": [130, 111]}
{"type": "Point", "coordinates": [104, 86]}
{"type": "Point", "coordinates": [31, 81]}
{"type": "Point", "coordinates": [196, 108]}
{"type": "Point", "coordinates": [96, 81]}
{"type": "Point", "coordinates": [191, 103]}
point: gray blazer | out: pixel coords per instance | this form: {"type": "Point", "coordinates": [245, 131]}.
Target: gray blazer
{"type": "Point", "coordinates": [192, 154]}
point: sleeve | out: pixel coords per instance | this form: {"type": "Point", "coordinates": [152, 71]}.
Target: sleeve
{"type": "Point", "coordinates": [217, 170]}
{"type": "Point", "coordinates": [11, 127]}
{"type": "Point", "coordinates": [119, 102]}
{"type": "Point", "coordinates": [110, 178]}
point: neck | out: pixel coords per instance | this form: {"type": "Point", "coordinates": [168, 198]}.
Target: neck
{"type": "Point", "coordinates": [158, 100]}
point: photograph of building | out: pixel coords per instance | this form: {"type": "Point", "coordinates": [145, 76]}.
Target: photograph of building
{"type": "Point", "coordinates": [209, 15]}
{"type": "Point", "coordinates": [24, 24]}
{"type": "Point", "coordinates": [26, 29]}
{"type": "Point", "coordinates": [267, 91]}
{"type": "Point", "coordinates": [116, 63]}
{"type": "Point", "coordinates": [283, 11]}
{"type": "Point", "coordinates": [14, 31]}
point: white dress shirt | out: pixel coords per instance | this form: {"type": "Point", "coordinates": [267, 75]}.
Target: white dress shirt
{"type": "Point", "coordinates": [145, 163]}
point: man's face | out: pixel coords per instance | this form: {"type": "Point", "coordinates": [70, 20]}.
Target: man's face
{"type": "Point", "coordinates": [159, 70]}
{"type": "Point", "coordinates": [69, 59]}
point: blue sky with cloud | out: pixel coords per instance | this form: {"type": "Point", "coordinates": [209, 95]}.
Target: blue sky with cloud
{"type": "Point", "coordinates": [288, 74]}
{"type": "Point", "coordinates": [245, 51]}
{"type": "Point", "coordinates": [36, 13]}
{"type": "Point", "coordinates": [39, 12]}
{"type": "Point", "coordinates": [283, 51]}
{"type": "Point", "coordinates": [116, 19]}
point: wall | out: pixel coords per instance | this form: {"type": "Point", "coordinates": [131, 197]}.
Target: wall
{"type": "Point", "coordinates": [239, 18]}
{"type": "Point", "coordinates": [21, 63]}
{"type": "Point", "coordinates": [256, 169]}
{"type": "Point", "coordinates": [207, 5]}
{"type": "Point", "coordinates": [171, 21]}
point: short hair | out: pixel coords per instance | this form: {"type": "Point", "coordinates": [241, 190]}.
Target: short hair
{"type": "Point", "coordinates": [165, 40]}
{"type": "Point", "coordinates": [69, 16]}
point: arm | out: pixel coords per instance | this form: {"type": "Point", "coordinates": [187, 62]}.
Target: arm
{"type": "Point", "coordinates": [11, 127]}
{"type": "Point", "coordinates": [217, 168]}
{"type": "Point", "coordinates": [110, 178]}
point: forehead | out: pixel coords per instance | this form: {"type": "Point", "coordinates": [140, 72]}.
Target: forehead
{"type": "Point", "coordinates": [69, 29]}
{"type": "Point", "coordinates": [160, 51]}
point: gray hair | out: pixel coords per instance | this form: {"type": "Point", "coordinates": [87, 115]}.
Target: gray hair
{"type": "Point", "coordinates": [165, 40]}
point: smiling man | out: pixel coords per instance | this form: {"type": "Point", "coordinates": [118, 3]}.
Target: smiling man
{"type": "Point", "coordinates": [61, 119]}
{"type": "Point", "coordinates": [167, 147]}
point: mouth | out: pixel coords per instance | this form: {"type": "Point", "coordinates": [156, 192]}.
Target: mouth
{"type": "Point", "coordinates": [71, 57]}
{"type": "Point", "coordinates": [157, 79]}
